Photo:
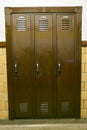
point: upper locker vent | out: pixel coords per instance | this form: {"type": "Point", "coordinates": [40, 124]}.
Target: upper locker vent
{"type": "Point", "coordinates": [43, 23]}
{"type": "Point", "coordinates": [66, 23]}
{"type": "Point", "coordinates": [21, 23]}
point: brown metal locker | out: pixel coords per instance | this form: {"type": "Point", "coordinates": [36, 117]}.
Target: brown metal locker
{"type": "Point", "coordinates": [21, 65]}
{"type": "Point", "coordinates": [43, 62]}
{"type": "Point", "coordinates": [45, 67]}
{"type": "Point", "coordinates": [66, 64]}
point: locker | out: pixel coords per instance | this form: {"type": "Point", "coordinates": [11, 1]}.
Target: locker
{"type": "Point", "coordinates": [43, 61]}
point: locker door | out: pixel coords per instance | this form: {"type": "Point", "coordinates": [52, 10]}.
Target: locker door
{"type": "Point", "coordinates": [45, 67]}
{"type": "Point", "coordinates": [65, 65]}
{"type": "Point", "coordinates": [21, 66]}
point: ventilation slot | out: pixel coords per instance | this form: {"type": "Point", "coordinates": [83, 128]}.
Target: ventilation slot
{"type": "Point", "coordinates": [21, 24]}
{"type": "Point", "coordinates": [66, 24]}
{"type": "Point", "coordinates": [23, 107]}
{"type": "Point", "coordinates": [65, 106]}
{"type": "Point", "coordinates": [44, 107]}
{"type": "Point", "coordinates": [43, 24]}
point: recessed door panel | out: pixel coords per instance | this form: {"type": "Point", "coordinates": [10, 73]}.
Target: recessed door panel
{"type": "Point", "coordinates": [21, 69]}
{"type": "Point", "coordinates": [65, 65]}
{"type": "Point", "coordinates": [45, 74]}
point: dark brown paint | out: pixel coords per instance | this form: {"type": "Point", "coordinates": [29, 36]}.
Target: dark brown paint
{"type": "Point", "coordinates": [44, 66]}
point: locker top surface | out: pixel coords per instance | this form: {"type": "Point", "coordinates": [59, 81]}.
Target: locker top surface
{"type": "Point", "coordinates": [65, 9]}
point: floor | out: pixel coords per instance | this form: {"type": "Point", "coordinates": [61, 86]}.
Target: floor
{"type": "Point", "coordinates": [44, 124]}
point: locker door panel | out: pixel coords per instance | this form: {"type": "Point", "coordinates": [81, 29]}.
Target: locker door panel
{"type": "Point", "coordinates": [44, 87]}
{"type": "Point", "coordinates": [21, 70]}
{"type": "Point", "coordinates": [65, 65]}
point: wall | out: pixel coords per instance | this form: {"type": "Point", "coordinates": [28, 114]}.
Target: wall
{"type": "Point", "coordinates": [3, 85]}
{"type": "Point", "coordinates": [84, 83]}
{"type": "Point", "coordinates": [3, 77]}
{"type": "Point", "coordinates": [16, 3]}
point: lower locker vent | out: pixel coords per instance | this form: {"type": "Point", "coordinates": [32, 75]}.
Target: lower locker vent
{"type": "Point", "coordinates": [23, 107]}
{"type": "Point", "coordinates": [65, 106]}
{"type": "Point", "coordinates": [44, 107]}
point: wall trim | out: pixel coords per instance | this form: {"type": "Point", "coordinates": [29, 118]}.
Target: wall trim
{"type": "Point", "coordinates": [84, 43]}
{"type": "Point", "coordinates": [2, 44]}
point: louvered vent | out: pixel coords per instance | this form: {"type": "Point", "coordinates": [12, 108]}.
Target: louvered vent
{"type": "Point", "coordinates": [44, 107]}
{"type": "Point", "coordinates": [65, 106]}
{"type": "Point", "coordinates": [21, 24]}
{"type": "Point", "coordinates": [66, 23]}
{"type": "Point", "coordinates": [23, 107]}
{"type": "Point", "coordinates": [43, 23]}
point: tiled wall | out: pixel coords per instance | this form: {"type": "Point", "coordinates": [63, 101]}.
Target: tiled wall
{"type": "Point", "coordinates": [84, 83]}
{"type": "Point", "coordinates": [3, 84]}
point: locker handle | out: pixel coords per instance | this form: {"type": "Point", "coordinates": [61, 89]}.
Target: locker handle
{"type": "Point", "coordinates": [37, 67]}
{"type": "Point", "coordinates": [15, 68]}
{"type": "Point", "coordinates": [59, 67]}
